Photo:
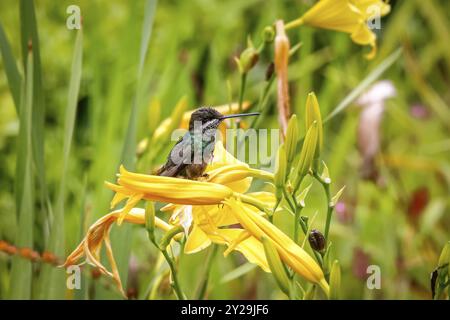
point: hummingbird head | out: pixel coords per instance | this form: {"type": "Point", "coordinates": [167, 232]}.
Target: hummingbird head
{"type": "Point", "coordinates": [208, 115]}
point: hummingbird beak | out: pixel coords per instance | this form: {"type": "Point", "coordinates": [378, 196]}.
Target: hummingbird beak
{"type": "Point", "coordinates": [239, 115]}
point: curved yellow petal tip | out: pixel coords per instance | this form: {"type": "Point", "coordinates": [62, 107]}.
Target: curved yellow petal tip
{"type": "Point", "coordinates": [372, 52]}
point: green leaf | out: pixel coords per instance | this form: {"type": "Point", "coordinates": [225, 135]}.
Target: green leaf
{"type": "Point", "coordinates": [53, 279]}
{"type": "Point", "coordinates": [12, 73]}
{"type": "Point", "coordinates": [238, 272]}
{"type": "Point", "coordinates": [21, 276]}
{"type": "Point", "coordinates": [371, 78]}
{"type": "Point", "coordinates": [122, 240]}
{"type": "Point", "coordinates": [29, 37]}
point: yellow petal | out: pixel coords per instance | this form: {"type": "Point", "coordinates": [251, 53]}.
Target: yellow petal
{"type": "Point", "coordinates": [292, 254]}
{"type": "Point", "coordinates": [196, 241]}
{"type": "Point", "coordinates": [251, 248]}
{"type": "Point", "coordinates": [170, 190]}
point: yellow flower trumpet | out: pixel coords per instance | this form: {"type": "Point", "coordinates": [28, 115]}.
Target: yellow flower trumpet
{"type": "Point", "coordinates": [135, 187]}
{"type": "Point", "coordinates": [292, 254]}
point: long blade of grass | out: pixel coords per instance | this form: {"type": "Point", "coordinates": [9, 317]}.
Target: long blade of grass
{"type": "Point", "coordinates": [29, 37]}
{"type": "Point", "coordinates": [365, 83]}
{"type": "Point", "coordinates": [53, 279]}
{"type": "Point", "coordinates": [11, 70]}
{"type": "Point", "coordinates": [21, 276]}
{"type": "Point", "coordinates": [238, 272]}
{"type": "Point", "coordinates": [122, 240]}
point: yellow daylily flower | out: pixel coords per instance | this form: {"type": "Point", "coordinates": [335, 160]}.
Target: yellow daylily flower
{"type": "Point", "coordinates": [196, 205]}
{"type": "Point", "coordinates": [136, 186]}
{"type": "Point", "coordinates": [348, 16]}
{"type": "Point", "coordinates": [292, 254]}
{"type": "Point", "coordinates": [227, 176]}
{"type": "Point", "coordinates": [98, 234]}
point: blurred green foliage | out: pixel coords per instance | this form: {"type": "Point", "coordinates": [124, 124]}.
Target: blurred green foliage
{"type": "Point", "coordinates": [399, 224]}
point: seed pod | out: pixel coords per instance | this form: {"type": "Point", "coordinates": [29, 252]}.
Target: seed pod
{"type": "Point", "coordinates": [317, 240]}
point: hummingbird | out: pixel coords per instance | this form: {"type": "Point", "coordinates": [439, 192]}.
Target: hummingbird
{"type": "Point", "coordinates": [192, 153]}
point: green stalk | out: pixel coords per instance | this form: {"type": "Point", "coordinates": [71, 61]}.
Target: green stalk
{"type": "Point", "coordinates": [242, 90]}
{"type": "Point", "coordinates": [205, 277]}
{"type": "Point", "coordinates": [326, 188]}
{"type": "Point", "coordinates": [175, 283]}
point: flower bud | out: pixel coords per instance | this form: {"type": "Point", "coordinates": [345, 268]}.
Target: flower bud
{"type": "Point", "coordinates": [317, 240]}
{"type": "Point", "coordinates": [150, 219]}
{"type": "Point", "coordinates": [312, 115]}
{"type": "Point", "coordinates": [276, 266]}
{"type": "Point", "coordinates": [445, 255]}
{"type": "Point", "coordinates": [291, 139]}
{"type": "Point", "coordinates": [268, 34]}
{"type": "Point", "coordinates": [307, 154]}
{"type": "Point", "coordinates": [247, 60]}
{"type": "Point", "coordinates": [280, 173]}
{"type": "Point", "coordinates": [335, 280]}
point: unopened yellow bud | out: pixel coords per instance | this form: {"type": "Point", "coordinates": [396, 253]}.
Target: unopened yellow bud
{"type": "Point", "coordinates": [275, 265]}
{"type": "Point", "coordinates": [268, 34]}
{"type": "Point", "coordinates": [335, 280]}
{"type": "Point", "coordinates": [247, 60]}
{"type": "Point", "coordinates": [307, 154]}
{"type": "Point", "coordinates": [291, 139]}
{"type": "Point", "coordinates": [312, 115]}
{"type": "Point", "coordinates": [280, 173]}
{"type": "Point", "coordinates": [445, 255]}
{"type": "Point", "coordinates": [150, 219]}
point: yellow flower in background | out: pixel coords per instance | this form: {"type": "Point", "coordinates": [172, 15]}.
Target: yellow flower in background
{"type": "Point", "coordinates": [98, 234]}
{"type": "Point", "coordinates": [348, 16]}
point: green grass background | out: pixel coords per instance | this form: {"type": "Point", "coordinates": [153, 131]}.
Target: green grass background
{"type": "Point", "coordinates": [75, 106]}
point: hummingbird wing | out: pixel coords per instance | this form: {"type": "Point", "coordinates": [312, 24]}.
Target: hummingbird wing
{"type": "Point", "coordinates": [179, 157]}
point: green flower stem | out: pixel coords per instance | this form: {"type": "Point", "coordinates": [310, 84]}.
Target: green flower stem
{"type": "Point", "coordinates": [205, 277]}
{"type": "Point", "coordinates": [326, 188]}
{"type": "Point", "coordinates": [164, 243]}
{"type": "Point", "coordinates": [296, 209]}
{"type": "Point", "coordinates": [175, 283]}
{"type": "Point", "coordinates": [262, 103]}
{"type": "Point", "coordinates": [242, 90]}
